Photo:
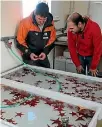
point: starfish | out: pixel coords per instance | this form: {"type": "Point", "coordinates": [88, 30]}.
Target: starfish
{"type": "Point", "coordinates": [5, 100]}
{"type": "Point", "coordinates": [74, 114]}
{"type": "Point", "coordinates": [70, 106]}
{"type": "Point", "coordinates": [19, 114]}
{"type": "Point", "coordinates": [80, 118]}
{"type": "Point", "coordinates": [59, 109]}
{"type": "Point", "coordinates": [33, 103]}
{"type": "Point", "coordinates": [66, 87]}
{"type": "Point", "coordinates": [11, 121]}
{"type": "Point", "coordinates": [81, 113]}
{"type": "Point", "coordinates": [34, 74]}
{"type": "Point", "coordinates": [9, 103]}
{"type": "Point", "coordinates": [49, 103]}
{"type": "Point", "coordinates": [6, 88]}
{"type": "Point", "coordinates": [61, 114]}
{"type": "Point", "coordinates": [88, 116]}
{"type": "Point", "coordinates": [57, 121]}
{"type": "Point", "coordinates": [1, 117]}
{"type": "Point", "coordinates": [1, 112]}
{"type": "Point", "coordinates": [39, 81]}
{"type": "Point", "coordinates": [61, 90]}
{"type": "Point", "coordinates": [50, 88]}
{"type": "Point", "coordinates": [70, 125]}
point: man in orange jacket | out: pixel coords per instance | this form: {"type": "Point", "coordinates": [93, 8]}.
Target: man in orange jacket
{"type": "Point", "coordinates": [36, 35]}
{"type": "Point", "coordinates": [84, 43]}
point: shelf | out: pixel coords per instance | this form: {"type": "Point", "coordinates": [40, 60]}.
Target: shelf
{"type": "Point", "coordinates": [61, 43]}
{"type": "Point", "coordinates": [98, 2]}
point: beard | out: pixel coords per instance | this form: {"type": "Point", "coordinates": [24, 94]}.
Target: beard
{"type": "Point", "coordinates": [79, 31]}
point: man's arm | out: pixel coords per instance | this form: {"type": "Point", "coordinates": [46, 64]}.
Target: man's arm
{"type": "Point", "coordinates": [51, 41]}
{"type": "Point", "coordinates": [72, 49]}
{"type": "Point", "coordinates": [97, 43]}
{"type": "Point", "coordinates": [21, 37]}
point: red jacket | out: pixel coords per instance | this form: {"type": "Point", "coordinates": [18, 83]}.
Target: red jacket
{"type": "Point", "coordinates": [89, 43]}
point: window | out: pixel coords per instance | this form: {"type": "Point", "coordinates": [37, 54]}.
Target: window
{"type": "Point", "coordinates": [30, 5]}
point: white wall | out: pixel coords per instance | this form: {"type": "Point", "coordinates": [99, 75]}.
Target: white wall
{"type": "Point", "coordinates": [11, 14]}
{"type": "Point", "coordinates": [81, 7]}
{"type": "Point", "coordinates": [96, 12]}
{"type": "Point", "coordinates": [60, 9]}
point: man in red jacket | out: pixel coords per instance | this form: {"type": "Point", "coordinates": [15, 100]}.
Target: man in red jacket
{"type": "Point", "coordinates": [84, 43]}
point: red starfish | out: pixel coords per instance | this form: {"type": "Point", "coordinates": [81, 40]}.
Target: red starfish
{"type": "Point", "coordinates": [80, 118]}
{"type": "Point", "coordinates": [59, 109]}
{"type": "Point", "coordinates": [57, 121]}
{"type": "Point", "coordinates": [1, 117]}
{"type": "Point", "coordinates": [25, 103]}
{"type": "Point", "coordinates": [21, 94]}
{"type": "Point", "coordinates": [87, 116]}
{"type": "Point", "coordinates": [11, 121]}
{"type": "Point", "coordinates": [19, 81]}
{"type": "Point", "coordinates": [50, 88]}
{"type": "Point", "coordinates": [37, 98]}
{"type": "Point", "coordinates": [61, 91]}
{"type": "Point", "coordinates": [61, 114]}
{"type": "Point", "coordinates": [19, 114]}
{"type": "Point", "coordinates": [81, 113]}
{"type": "Point", "coordinates": [73, 87]}
{"type": "Point", "coordinates": [5, 100]}
{"type": "Point", "coordinates": [39, 81]}
{"type": "Point", "coordinates": [66, 87]}
{"type": "Point", "coordinates": [93, 98]}
{"type": "Point", "coordinates": [67, 93]}
{"type": "Point", "coordinates": [24, 94]}
{"type": "Point", "coordinates": [15, 99]}
{"type": "Point", "coordinates": [6, 88]}
{"type": "Point", "coordinates": [66, 83]}
{"type": "Point", "coordinates": [1, 112]}
{"type": "Point", "coordinates": [70, 125]}
{"type": "Point", "coordinates": [70, 106]}
{"type": "Point", "coordinates": [33, 103]}
{"type": "Point", "coordinates": [9, 103]}
{"type": "Point", "coordinates": [34, 74]}
{"type": "Point", "coordinates": [72, 93]}
{"type": "Point", "coordinates": [74, 114]}
{"type": "Point", "coordinates": [49, 103]}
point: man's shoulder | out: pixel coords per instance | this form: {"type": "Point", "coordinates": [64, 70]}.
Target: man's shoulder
{"type": "Point", "coordinates": [94, 24]}
{"type": "Point", "coordinates": [26, 20]}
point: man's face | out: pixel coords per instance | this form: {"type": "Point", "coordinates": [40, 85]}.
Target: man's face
{"type": "Point", "coordinates": [40, 20]}
{"type": "Point", "coordinates": [74, 28]}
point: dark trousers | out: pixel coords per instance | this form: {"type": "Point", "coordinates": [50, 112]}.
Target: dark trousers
{"type": "Point", "coordinates": [85, 62]}
{"type": "Point", "coordinates": [42, 63]}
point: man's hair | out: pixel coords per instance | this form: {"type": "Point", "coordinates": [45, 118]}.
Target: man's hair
{"type": "Point", "coordinates": [42, 9]}
{"type": "Point", "coordinates": [76, 18]}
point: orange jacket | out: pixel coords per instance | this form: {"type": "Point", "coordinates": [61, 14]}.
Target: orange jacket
{"type": "Point", "coordinates": [31, 38]}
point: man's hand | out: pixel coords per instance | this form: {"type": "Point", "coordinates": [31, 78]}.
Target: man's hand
{"type": "Point", "coordinates": [33, 56]}
{"type": "Point", "coordinates": [42, 56]}
{"type": "Point", "coordinates": [94, 72]}
{"type": "Point", "coordinates": [79, 69]}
